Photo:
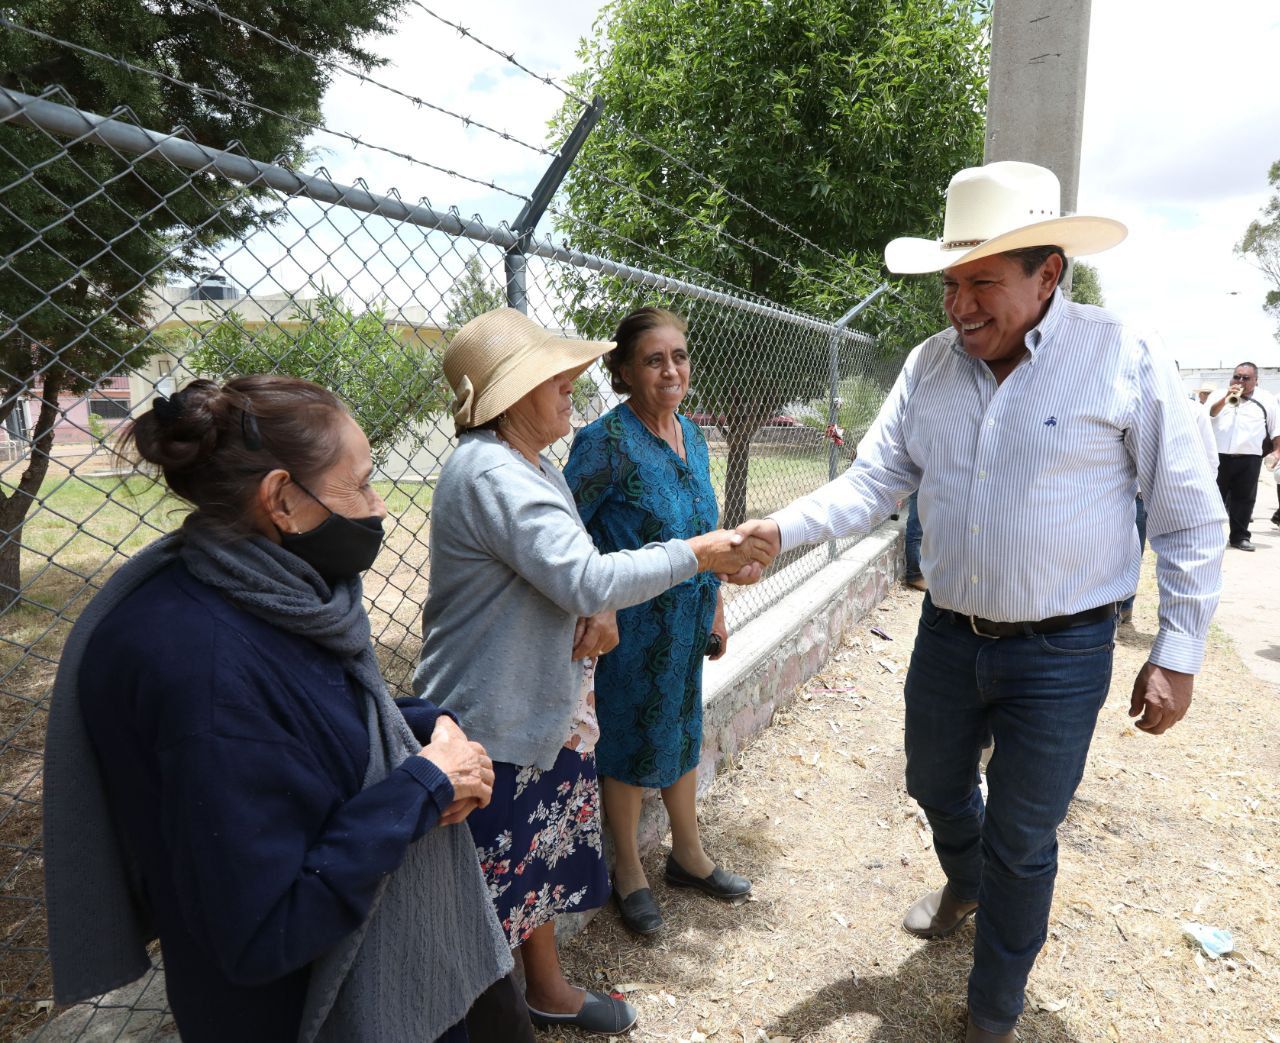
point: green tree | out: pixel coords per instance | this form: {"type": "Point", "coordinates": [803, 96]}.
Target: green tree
{"type": "Point", "coordinates": [842, 119]}
{"type": "Point", "coordinates": [387, 379]}
{"type": "Point", "coordinates": [1261, 244]}
{"type": "Point", "coordinates": [86, 232]}
{"type": "Point", "coordinates": [474, 293]}
{"type": "Point", "coordinates": [1086, 287]}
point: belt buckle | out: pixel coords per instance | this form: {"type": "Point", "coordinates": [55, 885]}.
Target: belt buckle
{"type": "Point", "coordinates": [973, 625]}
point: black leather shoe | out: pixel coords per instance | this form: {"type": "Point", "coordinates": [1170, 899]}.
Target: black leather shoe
{"type": "Point", "coordinates": [639, 911]}
{"type": "Point", "coordinates": [1244, 545]}
{"type": "Point", "coordinates": [719, 884]}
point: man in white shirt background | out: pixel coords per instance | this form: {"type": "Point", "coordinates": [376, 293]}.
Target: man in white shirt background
{"type": "Point", "coordinates": [1245, 424]}
{"type": "Point", "coordinates": [1027, 429]}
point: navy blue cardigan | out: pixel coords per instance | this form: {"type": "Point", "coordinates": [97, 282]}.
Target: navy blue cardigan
{"type": "Point", "coordinates": [233, 755]}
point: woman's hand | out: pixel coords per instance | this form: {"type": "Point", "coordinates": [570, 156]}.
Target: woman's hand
{"type": "Point", "coordinates": [725, 551]}
{"type": "Point", "coordinates": [467, 766]}
{"type": "Point", "coordinates": [595, 635]}
{"type": "Point", "coordinates": [720, 628]}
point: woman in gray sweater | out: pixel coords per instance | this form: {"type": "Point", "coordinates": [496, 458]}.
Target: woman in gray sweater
{"type": "Point", "coordinates": [509, 648]}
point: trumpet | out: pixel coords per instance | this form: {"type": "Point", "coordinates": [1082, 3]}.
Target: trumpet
{"type": "Point", "coordinates": [1233, 398]}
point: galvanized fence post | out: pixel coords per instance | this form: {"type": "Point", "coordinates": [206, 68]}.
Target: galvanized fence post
{"type": "Point", "coordinates": [531, 213]}
{"type": "Point", "coordinates": [833, 409]}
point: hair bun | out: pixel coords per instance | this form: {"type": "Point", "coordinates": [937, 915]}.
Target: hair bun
{"type": "Point", "coordinates": [181, 431]}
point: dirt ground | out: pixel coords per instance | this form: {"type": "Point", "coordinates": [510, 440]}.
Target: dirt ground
{"type": "Point", "coordinates": [1183, 827]}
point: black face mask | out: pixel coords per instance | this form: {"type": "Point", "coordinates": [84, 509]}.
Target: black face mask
{"type": "Point", "coordinates": [338, 548]}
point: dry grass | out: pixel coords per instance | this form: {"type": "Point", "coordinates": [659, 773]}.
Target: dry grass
{"type": "Point", "coordinates": [1181, 827]}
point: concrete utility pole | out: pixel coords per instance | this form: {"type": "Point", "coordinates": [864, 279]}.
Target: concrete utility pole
{"type": "Point", "coordinates": [1035, 100]}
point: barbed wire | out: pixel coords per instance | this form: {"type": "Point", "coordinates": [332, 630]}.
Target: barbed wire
{"type": "Point", "coordinates": [706, 226]}
{"type": "Point", "coordinates": [209, 92]}
{"type": "Point", "coordinates": [723, 284]}
{"type": "Point", "coordinates": [617, 122]}
{"type": "Point", "coordinates": [468, 121]}
{"type": "Point", "coordinates": [360, 142]}
{"type": "Point", "coordinates": [506, 56]}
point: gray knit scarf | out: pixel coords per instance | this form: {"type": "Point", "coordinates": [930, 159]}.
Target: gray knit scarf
{"type": "Point", "coordinates": [431, 943]}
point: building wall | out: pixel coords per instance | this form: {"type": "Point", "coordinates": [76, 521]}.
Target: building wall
{"type": "Point", "coordinates": [1220, 377]}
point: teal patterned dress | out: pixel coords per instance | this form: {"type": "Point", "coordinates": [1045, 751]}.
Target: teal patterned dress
{"type": "Point", "coordinates": [632, 489]}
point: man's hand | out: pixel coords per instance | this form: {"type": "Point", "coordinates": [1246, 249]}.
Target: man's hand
{"type": "Point", "coordinates": [727, 552]}
{"type": "Point", "coordinates": [595, 635]}
{"type": "Point", "coordinates": [1161, 696]}
{"type": "Point", "coordinates": [766, 537]}
{"type": "Point", "coordinates": [766, 531]}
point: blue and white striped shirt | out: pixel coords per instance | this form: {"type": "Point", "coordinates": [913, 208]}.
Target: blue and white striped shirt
{"type": "Point", "coordinates": [1027, 488]}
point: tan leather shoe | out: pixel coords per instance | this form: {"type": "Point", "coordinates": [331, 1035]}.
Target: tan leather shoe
{"type": "Point", "coordinates": [917, 582]}
{"type": "Point", "coordinates": [937, 914]}
{"type": "Point", "coordinates": [973, 1034]}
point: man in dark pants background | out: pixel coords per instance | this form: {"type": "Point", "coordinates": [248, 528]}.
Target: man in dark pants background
{"type": "Point", "coordinates": [1244, 423]}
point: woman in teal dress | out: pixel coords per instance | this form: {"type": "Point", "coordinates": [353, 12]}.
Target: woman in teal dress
{"type": "Point", "coordinates": [641, 474]}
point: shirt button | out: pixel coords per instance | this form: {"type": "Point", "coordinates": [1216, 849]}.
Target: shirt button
{"type": "Point", "coordinates": [975, 528]}
{"type": "Point", "coordinates": [973, 579]}
{"type": "Point", "coordinates": [982, 474]}
{"type": "Point", "coordinates": [991, 423]}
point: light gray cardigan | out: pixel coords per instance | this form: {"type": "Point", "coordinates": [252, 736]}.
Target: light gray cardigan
{"type": "Point", "coordinates": [512, 569]}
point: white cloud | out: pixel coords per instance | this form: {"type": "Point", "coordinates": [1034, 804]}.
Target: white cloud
{"type": "Point", "coordinates": [1180, 129]}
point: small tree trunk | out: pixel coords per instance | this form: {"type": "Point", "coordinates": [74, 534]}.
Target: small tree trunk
{"type": "Point", "coordinates": [737, 436]}
{"type": "Point", "coordinates": [15, 507]}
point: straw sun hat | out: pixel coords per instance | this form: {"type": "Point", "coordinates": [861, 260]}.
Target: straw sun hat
{"type": "Point", "coordinates": [500, 356]}
{"type": "Point", "coordinates": [998, 207]}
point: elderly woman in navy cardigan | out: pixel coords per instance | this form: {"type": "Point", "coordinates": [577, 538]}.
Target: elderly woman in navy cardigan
{"type": "Point", "coordinates": [226, 770]}
{"type": "Point", "coordinates": [509, 645]}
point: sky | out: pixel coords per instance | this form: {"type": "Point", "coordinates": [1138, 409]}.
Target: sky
{"type": "Point", "coordinates": [1182, 122]}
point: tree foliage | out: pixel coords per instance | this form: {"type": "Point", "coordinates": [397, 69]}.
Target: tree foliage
{"type": "Point", "coordinates": [1261, 244]}
{"type": "Point", "coordinates": [842, 119]}
{"type": "Point", "coordinates": [387, 379]}
{"type": "Point", "coordinates": [474, 293]}
{"type": "Point", "coordinates": [1086, 287]}
{"type": "Point", "coordinates": [89, 232]}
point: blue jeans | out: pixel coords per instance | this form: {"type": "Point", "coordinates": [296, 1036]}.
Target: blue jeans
{"type": "Point", "coordinates": [1140, 522]}
{"type": "Point", "coordinates": [1039, 697]}
{"type": "Point", "coordinates": [914, 535]}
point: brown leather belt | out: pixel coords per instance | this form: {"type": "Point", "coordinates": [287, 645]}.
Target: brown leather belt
{"type": "Point", "coordinates": [991, 628]}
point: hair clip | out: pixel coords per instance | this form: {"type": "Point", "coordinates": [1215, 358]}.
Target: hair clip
{"type": "Point", "coordinates": [249, 431]}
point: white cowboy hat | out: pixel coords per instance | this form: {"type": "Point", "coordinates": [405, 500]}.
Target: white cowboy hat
{"type": "Point", "coordinates": [500, 356]}
{"type": "Point", "coordinates": [998, 207]}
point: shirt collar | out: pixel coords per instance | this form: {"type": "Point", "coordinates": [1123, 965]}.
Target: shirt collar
{"type": "Point", "coordinates": [1045, 328]}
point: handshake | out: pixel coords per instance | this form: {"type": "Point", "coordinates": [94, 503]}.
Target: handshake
{"type": "Point", "coordinates": [739, 555]}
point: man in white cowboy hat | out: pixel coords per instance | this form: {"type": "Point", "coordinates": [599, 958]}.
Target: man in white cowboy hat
{"type": "Point", "coordinates": [1027, 428]}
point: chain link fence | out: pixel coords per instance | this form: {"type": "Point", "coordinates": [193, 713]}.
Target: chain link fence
{"type": "Point", "coordinates": [360, 292]}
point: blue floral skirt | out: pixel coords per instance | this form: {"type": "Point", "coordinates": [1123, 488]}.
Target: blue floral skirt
{"type": "Point", "coordinates": [539, 842]}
